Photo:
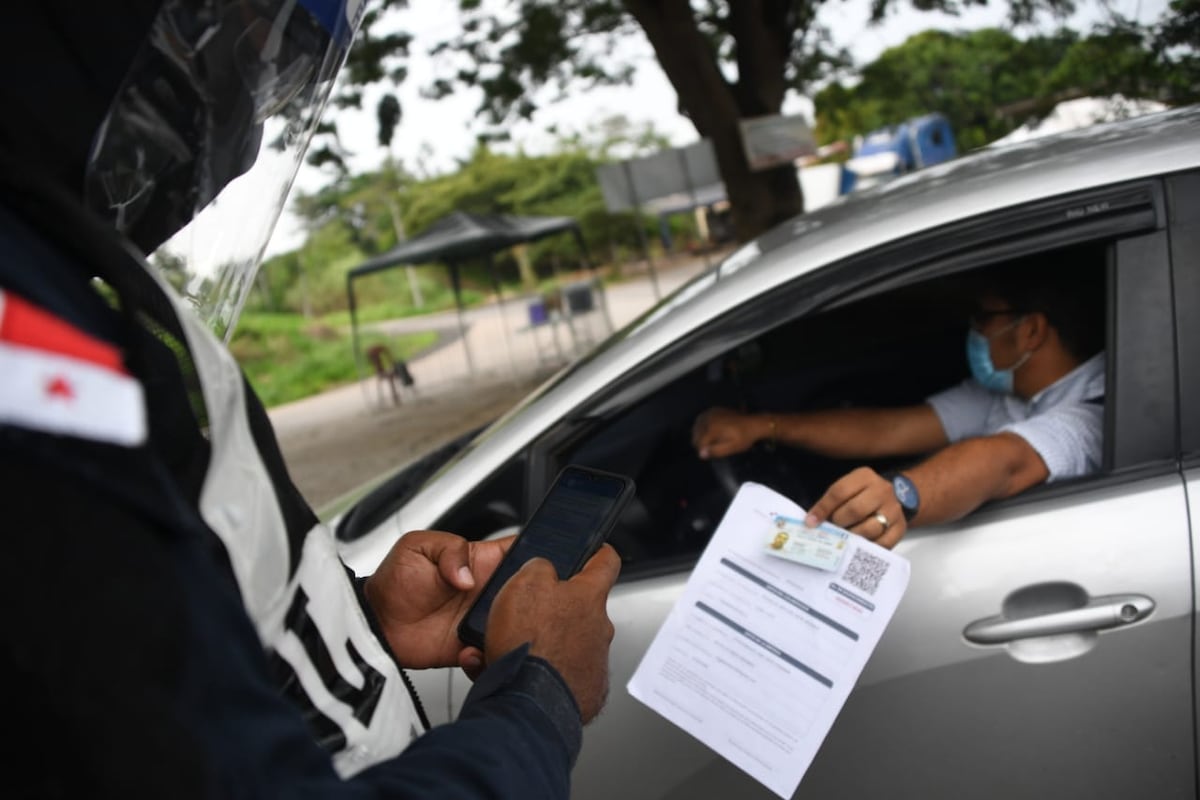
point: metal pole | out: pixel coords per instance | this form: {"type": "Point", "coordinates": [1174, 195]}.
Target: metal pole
{"type": "Point", "coordinates": [687, 178]}
{"type": "Point", "coordinates": [491, 268]}
{"type": "Point", "coordinates": [456, 283]}
{"type": "Point", "coordinates": [358, 370]}
{"type": "Point", "coordinates": [637, 218]}
{"type": "Point", "coordinates": [597, 281]}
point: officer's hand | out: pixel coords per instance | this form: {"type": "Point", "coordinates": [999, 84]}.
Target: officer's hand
{"type": "Point", "coordinates": [419, 593]}
{"type": "Point", "coordinates": [860, 502]}
{"type": "Point", "coordinates": [721, 432]}
{"type": "Point", "coordinates": [565, 622]}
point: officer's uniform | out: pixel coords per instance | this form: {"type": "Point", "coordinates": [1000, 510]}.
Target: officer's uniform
{"type": "Point", "coordinates": [170, 602]}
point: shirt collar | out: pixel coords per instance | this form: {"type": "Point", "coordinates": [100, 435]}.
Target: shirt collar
{"type": "Point", "coordinates": [1085, 382]}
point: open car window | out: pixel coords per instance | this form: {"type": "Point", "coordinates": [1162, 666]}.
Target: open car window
{"type": "Point", "coordinates": [887, 350]}
{"type": "Point", "coordinates": [886, 329]}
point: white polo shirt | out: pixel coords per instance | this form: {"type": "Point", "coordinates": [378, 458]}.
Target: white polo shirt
{"type": "Point", "coordinates": [1064, 422]}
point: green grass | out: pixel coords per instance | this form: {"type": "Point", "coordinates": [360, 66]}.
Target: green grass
{"type": "Point", "coordinates": [287, 357]}
{"type": "Point", "coordinates": [394, 310]}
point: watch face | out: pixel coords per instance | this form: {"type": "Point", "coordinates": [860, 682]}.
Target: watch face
{"type": "Point", "coordinates": [905, 491]}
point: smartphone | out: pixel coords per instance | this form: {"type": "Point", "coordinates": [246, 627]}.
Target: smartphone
{"type": "Point", "coordinates": [573, 520]}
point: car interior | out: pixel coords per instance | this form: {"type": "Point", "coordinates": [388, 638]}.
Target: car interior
{"type": "Point", "coordinates": [891, 348]}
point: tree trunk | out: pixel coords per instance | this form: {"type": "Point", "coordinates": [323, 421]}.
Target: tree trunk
{"type": "Point", "coordinates": [759, 200]}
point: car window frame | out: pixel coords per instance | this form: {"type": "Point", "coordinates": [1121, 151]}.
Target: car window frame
{"type": "Point", "coordinates": [1183, 210]}
{"type": "Point", "coordinates": [1141, 396]}
{"type": "Point", "coordinates": [1120, 211]}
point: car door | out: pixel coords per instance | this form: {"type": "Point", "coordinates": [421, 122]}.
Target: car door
{"type": "Point", "coordinates": [1088, 694]}
{"type": "Point", "coordinates": [1044, 646]}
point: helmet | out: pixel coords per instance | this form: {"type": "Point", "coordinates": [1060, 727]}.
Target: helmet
{"type": "Point", "coordinates": [203, 140]}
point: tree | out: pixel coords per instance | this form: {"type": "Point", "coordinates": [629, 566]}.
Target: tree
{"type": "Point", "coordinates": [1176, 43]}
{"type": "Point", "coordinates": [374, 58]}
{"type": "Point", "coordinates": [987, 82]}
{"type": "Point", "coordinates": [964, 75]}
{"type": "Point", "coordinates": [387, 113]}
{"type": "Point", "coordinates": [728, 60]}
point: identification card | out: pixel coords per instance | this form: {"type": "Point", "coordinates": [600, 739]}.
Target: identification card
{"type": "Point", "coordinates": [821, 547]}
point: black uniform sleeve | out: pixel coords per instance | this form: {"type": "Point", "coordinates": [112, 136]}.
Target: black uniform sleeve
{"type": "Point", "coordinates": [517, 736]}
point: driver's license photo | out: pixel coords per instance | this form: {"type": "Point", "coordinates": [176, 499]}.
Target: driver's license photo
{"type": "Point", "coordinates": [821, 547]}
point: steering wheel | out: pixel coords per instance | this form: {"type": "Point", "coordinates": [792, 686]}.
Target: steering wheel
{"type": "Point", "coordinates": [726, 476]}
{"type": "Point", "coordinates": [779, 470]}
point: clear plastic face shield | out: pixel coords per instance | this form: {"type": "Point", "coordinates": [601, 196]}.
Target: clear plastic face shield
{"type": "Point", "coordinates": [211, 126]}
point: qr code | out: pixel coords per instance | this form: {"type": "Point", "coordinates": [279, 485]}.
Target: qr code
{"type": "Point", "coordinates": [865, 571]}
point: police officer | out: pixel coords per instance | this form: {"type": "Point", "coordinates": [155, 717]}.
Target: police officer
{"type": "Point", "coordinates": [176, 621]}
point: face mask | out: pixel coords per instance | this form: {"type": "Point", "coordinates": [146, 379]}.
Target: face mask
{"type": "Point", "coordinates": [979, 358]}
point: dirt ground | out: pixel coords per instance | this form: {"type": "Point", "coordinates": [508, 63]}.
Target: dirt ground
{"type": "Point", "coordinates": [329, 457]}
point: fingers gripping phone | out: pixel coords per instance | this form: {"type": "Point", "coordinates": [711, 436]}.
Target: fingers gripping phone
{"type": "Point", "coordinates": [573, 520]}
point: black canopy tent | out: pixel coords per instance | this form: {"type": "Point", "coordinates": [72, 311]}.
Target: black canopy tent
{"type": "Point", "coordinates": [458, 237]}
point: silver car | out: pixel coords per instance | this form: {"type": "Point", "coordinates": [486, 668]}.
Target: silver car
{"type": "Point", "coordinates": [1014, 666]}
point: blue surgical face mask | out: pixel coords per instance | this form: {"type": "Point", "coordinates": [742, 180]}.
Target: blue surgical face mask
{"type": "Point", "coordinates": [979, 358]}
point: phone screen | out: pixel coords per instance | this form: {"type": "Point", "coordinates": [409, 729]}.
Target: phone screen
{"type": "Point", "coordinates": [571, 523]}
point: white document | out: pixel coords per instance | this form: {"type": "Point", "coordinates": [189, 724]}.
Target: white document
{"type": "Point", "coordinates": [759, 654]}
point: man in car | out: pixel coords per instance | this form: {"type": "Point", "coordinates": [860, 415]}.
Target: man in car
{"type": "Point", "coordinates": [177, 623]}
{"type": "Point", "coordinates": [1031, 412]}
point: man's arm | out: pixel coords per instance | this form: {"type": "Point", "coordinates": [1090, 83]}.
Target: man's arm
{"type": "Point", "coordinates": [838, 432]}
{"type": "Point", "coordinates": [952, 483]}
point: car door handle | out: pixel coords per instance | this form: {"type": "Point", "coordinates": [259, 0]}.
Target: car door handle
{"type": "Point", "coordinates": [1102, 612]}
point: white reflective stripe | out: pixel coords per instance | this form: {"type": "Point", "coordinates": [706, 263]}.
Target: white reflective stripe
{"type": "Point", "coordinates": [238, 498]}
{"type": "Point", "coordinates": [58, 394]}
{"type": "Point", "coordinates": [238, 501]}
{"type": "Point", "coordinates": [334, 609]}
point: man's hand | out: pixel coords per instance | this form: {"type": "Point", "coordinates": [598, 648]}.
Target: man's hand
{"type": "Point", "coordinates": [856, 502]}
{"type": "Point", "coordinates": [565, 622]}
{"type": "Point", "coordinates": [721, 432]}
{"type": "Point", "coordinates": [953, 482]}
{"type": "Point", "coordinates": [421, 591]}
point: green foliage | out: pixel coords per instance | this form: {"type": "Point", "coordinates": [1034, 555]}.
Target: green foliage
{"type": "Point", "coordinates": [512, 53]}
{"type": "Point", "coordinates": [286, 357]}
{"type": "Point", "coordinates": [964, 75]}
{"type": "Point", "coordinates": [1177, 43]}
{"type": "Point", "coordinates": [375, 58]}
{"type": "Point", "coordinates": [363, 215]}
{"type": "Point", "coordinates": [988, 81]}
{"type": "Point", "coordinates": [387, 114]}
{"type": "Point", "coordinates": [1180, 28]}
{"type": "Point", "coordinates": [727, 61]}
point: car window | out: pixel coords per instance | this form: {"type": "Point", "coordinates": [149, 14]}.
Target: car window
{"type": "Point", "coordinates": [886, 349]}
{"type": "Point", "coordinates": [881, 327]}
